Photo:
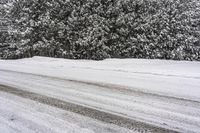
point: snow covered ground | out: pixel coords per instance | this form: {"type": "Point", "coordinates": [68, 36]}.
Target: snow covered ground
{"type": "Point", "coordinates": [158, 92]}
{"type": "Point", "coordinates": [172, 78]}
{"type": "Point", "coordinates": [18, 115]}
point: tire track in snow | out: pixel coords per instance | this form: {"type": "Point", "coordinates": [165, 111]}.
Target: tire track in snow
{"type": "Point", "coordinates": [86, 111]}
{"type": "Point", "coordinates": [118, 88]}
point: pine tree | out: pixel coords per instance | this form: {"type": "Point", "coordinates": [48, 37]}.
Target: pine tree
{"type": "Point", "coordinates": [88, 29]}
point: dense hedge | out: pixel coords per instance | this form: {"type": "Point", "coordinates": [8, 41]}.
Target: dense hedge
{"type": "Point", "coordinates": [99, 29]}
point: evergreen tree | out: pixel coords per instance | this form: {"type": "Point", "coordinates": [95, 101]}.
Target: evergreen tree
{"type": "Point", "coordinates": [99, 29]}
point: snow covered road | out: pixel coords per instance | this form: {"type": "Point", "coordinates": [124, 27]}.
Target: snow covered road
{"type": "Point", "coordinates": [165, 112]}
{"type": "Point", "coordinates": [104, 117]}
{"type": "Point", "coordinates": [169, 78]}
{"type": "Point", "coordinates": [19, 115]}
{"type": "Point", "coordinates": [153, 93]}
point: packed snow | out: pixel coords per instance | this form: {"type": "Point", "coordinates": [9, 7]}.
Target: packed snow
{"type": "Point", "coordinates": [170, 78]}
{"type": "Point", "coordinates": [20, 115]}
{"type": "Point", "coordinates": [159, 92]}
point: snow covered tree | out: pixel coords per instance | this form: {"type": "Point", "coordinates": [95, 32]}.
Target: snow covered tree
{"type": "Point", "coordinates": [171, 30]}
{"type": "Point", "coordinates": [38, 23]}
{"type": "Point", "coordinates": [88, 30]}
{"type": "Point", "coordinates": [99, 29]}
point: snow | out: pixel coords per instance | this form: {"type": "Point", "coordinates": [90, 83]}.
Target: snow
{"type": "Point", "coordinates": [159, 92]}
{"type": "Point", "coordinates": [170, 78]}
{"type": "Point", "coordinates": [21, 116]}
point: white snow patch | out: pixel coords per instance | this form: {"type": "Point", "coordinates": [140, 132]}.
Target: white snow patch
{"type": "Point", "coordinates": [172, 78]}
{"type": "Point", "coordinates": [18, 115]}
{"type": "Point", "coordinates": [178, 79]}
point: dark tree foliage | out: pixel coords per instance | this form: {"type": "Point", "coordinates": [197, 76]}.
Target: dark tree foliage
{"type": "Point", "coordinates": [99, 29]}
